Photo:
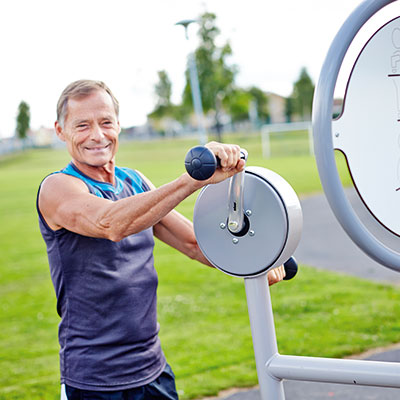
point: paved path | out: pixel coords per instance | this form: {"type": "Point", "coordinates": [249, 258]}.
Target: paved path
{"type": "Point", "coordinates": [324, 244]}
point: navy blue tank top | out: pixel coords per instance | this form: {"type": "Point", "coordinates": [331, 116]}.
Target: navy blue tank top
{"type": "Point", "coordinates": [106, 298]}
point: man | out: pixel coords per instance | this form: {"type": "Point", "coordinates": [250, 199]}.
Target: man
{"type": "Point", "coordinates": [98, 222]}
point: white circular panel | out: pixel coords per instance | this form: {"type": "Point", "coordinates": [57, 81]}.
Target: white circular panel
{"type": "Point", "coordinates": [368, 131]}
{"type": "Point", "coordinates": [274, 224]}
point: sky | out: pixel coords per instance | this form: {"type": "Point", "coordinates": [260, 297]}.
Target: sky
{"type": "Point", "coordinates": [46, 44]}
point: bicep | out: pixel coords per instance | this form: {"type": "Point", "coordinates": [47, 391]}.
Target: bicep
{"type": "Point", "coordinates": [65, 202]}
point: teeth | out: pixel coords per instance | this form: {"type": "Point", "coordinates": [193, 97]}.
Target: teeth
{"type": "Point", "coordinates": [97, 148]}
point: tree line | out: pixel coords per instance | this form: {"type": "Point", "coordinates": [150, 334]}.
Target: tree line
{"type": "Point", "coordinates": [221, 97]}
{"type": "Point", "coordinates": [219, 92]}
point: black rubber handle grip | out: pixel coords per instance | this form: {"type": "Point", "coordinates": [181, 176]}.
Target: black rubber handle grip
{"type": "Point", "coordinates": [200, 163]}
{"type": "Point", "coordinates": [291, 268]}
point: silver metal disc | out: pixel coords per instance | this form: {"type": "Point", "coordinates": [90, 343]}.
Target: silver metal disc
{"type": "Point", "coordinates": [265, 240]}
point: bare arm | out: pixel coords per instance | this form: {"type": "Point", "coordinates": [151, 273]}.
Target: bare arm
{"type": "Point", "coordinates": [66, 203]}
{"type": "Point", "coordinates": [177, 231]}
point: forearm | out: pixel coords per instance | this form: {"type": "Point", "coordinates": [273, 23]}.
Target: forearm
{"type": "Point", "coordinates": [134, 214]}
{"type": "Point", "coordinates": [177, 231]}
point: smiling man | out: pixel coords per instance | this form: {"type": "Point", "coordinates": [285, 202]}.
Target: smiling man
{"type": "Point", "coordinates": [98, 221]}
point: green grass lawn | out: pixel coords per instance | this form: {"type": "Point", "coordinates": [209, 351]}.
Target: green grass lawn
{"type": "Point", "coordinates": [205, 330]}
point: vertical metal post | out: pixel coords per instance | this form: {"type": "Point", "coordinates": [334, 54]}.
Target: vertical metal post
{"type": "Point", "coordinates": [196, 96]}
{"type": "Point", "coordinates": [265, 142]}
{"type": "Point", "coordinates": [195, 87]}
{"type": "Point", "coordinates": [263, 332]}
{"type": "Point", "coordinates": [310, 140]}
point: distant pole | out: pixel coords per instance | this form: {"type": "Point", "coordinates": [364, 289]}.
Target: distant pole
{"type": "Point", "coordinates": [195, 87]}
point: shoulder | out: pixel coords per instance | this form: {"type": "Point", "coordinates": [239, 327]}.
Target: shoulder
{"type": "Point", "coordinates": [55, 191]}
{"type": "Point", "coordinates": [58, 187]}
{"type": "Point", "coordinates": [59, 182]}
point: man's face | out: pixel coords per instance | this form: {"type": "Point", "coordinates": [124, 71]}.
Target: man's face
{"type": "Point", "coordinates": [91, 129]}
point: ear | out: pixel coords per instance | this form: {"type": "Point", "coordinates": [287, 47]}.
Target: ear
{"type": "Point", "coordinates": [59, 131]}
{"type": "Point", "coordinates": [119, 127]}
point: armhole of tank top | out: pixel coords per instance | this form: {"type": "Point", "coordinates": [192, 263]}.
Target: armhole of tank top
{"type": "Point", "coordinates": [42, 219]}
{"type": "Point", "coordinates": [145, 186]}
{"type": "Point", "coordinates": [143, 183]}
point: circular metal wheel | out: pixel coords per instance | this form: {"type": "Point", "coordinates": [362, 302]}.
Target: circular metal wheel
{"type": "Point", "coordinates": [366, 132]}
{"type": "Point", "coordinates": [272, 229]}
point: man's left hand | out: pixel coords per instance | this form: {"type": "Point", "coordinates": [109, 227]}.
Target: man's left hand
{"type": "Point", "coordinates": [276, 275]}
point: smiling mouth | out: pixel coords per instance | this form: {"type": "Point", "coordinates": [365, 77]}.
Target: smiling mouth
{"type": "Point", "coordinates": [98, 148]}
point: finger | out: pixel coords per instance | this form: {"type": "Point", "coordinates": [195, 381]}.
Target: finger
{"type": "Point", "coordinates": [220, 151]}
{"type": "Point", "coordinates": [230, 158]}
{"type": "Point", "coordinates": [282, 272]}
{"type": "Point", "coordinates": [229, 154]}
{"type": "Point", "coordinates": [224, 157]}
{"type": "Point", "coordinates": [234, 156]}
{"type": "Point", "coordinates": [272, 278]}
{"type": "Point", "coordinates": [240, 165]}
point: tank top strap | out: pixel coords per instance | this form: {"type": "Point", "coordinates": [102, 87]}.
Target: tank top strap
{"type": "Point", "coordinates": [123, 177]}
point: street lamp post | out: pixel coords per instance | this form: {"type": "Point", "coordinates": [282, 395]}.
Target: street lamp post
{"type": "Point", "coordinates": [195, 87]}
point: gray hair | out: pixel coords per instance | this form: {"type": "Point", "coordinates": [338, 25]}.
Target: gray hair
{"type": "Point", "coordinates": [81, 89]}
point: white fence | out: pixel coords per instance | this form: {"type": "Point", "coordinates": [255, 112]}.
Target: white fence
{"type": "Point", "coordinates": [14, 145]}
{"type": "Point", "coordinates": [267, 130]}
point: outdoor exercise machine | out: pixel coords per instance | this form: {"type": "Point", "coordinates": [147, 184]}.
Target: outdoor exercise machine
{"type": "Point", "coordinates": [251, 223]}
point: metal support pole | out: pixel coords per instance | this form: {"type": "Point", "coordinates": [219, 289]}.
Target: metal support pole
{"type": "Point", "coordinates": [195, 87]}
{"type": "Point", "coordinates": [265, 142]}
{"type": "Point", "coordinates": [310, 140]}
{"type": "Point", "coordinates": [196, 96]}
{"type": "Point", "coordinates": [263, 332]}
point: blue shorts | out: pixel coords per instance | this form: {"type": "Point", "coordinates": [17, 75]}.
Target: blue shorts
{"type": "Point", "coordinates": [161, 388]}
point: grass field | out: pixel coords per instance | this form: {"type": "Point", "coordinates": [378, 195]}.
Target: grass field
{"type": "Point", "coordinates": [204, 324]}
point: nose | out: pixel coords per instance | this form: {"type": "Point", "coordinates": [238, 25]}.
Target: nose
{"type": "Point", "coordinates": [96, 133]}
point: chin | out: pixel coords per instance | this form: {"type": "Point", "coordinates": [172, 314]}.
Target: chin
{"type": "Point", "coordinates": [99, 163]}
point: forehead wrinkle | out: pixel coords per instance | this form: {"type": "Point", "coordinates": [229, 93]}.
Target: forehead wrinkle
{"type": "Point", "coordinates": [107, 116]}
{"type": "Point", "coordinates": [83, 110]}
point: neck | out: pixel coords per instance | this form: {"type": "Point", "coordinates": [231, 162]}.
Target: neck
{"type": "Point", "coordinates": [104, 173]}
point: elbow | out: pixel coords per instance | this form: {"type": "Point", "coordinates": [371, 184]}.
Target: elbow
{"type": "Point", "coordinates": [109, 229]}
{"type": "Point", "coordinates": [111, 234]}
{"type": "Point", "coordinates": [114, 237]}
{"type": "Point", "coordinates": [115, 227]}
{"type": "Point", "coordinates": [192, 250]}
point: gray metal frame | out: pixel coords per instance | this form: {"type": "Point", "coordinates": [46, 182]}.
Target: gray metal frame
{"type": "Point", "coordinates": [323, 144]}
{"type": "Point", "coordinates": [273, 367]}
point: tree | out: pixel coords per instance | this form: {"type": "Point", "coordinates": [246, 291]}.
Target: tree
{"type": "Point", "coordinates": [163, 91]}
{"type": "Point", "coordinates": [23, 119]}
{"type": "Point", "coordinates": [289, 109]}
{"type": "Point", "coordinates": [303, 92]}
{"type": "Point", "coordinates": [216, 77]}
{"type": "Point", "coordinates": [238, 103]}
{"type": "Point", "coordinates": [261, 99]}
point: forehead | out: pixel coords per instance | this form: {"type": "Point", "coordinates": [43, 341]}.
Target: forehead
{"type": "Point", "coordinates": [95, 104]}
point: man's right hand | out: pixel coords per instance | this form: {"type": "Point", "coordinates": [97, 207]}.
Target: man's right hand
{"type": "Point", "coordinates": [230, 161]}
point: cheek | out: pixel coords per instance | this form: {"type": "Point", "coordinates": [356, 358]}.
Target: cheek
{"type": "Point", "coordinates": [113, 137]}
{"type": "Point", "coordinates": [77, 141]}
